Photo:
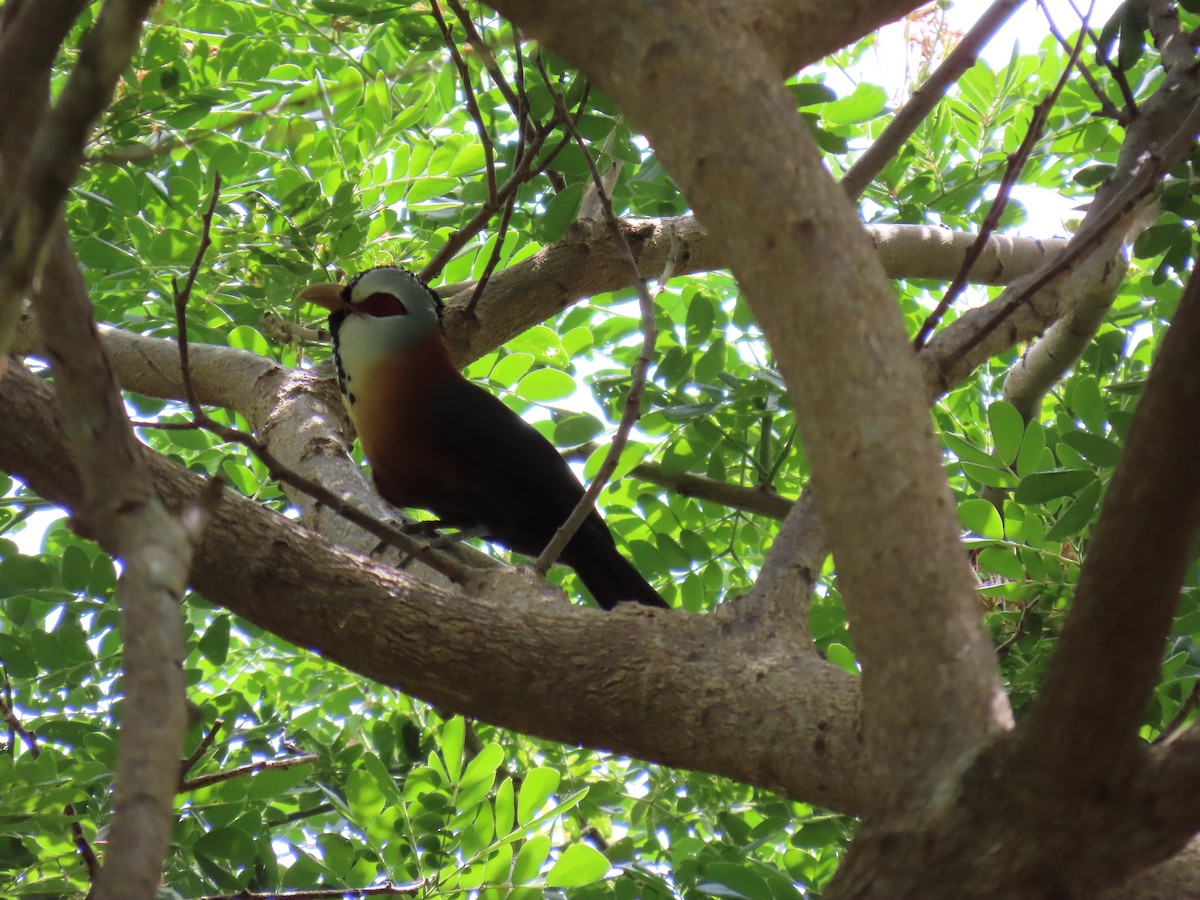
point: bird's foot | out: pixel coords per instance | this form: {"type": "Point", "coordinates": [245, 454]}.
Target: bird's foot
{"type": "Point", "coordinates": [440, 540]}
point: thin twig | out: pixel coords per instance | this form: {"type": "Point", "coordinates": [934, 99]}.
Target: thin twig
{"type": "Point", "coordinates": [637, 378]}
{"type": "Point", "coordinates": [464, 76]}
{"type": "Point", "coordinates": [1149, 170]}
{"type": "Point", "coordinates": [484, 52]}
{"type": "Point", "coordinates": [268, 765]}
{"type": "Point", "coordinates": [1113, 70]}
{"type": "Point", "coordinates": [387, 889]}
{"type": "Point", "coordinates": [182, 296]}
{"type": "Point", "coordinates": [1106, 106]}
{"type": "Point", "coordinates": [1012, 172]}
{"type": "Point", "coordinates": [1018, 632]}
{"type": "Point", "coordinates": [524, 169]}
{"type": "Point", "coordinates": [924, 98]}
{"type": "Point", "coordinates": [201, 748]}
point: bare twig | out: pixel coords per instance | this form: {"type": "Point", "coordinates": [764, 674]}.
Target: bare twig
{"type": "Point", "coordinates": [637, 378]}
{"type": "Point", "coordinates": [387, 889]}
{"type": "Point", "coordinates": [1012, 173]}
{"type": "Point", "coordinates": [526, 167]}
{"type": "Point", "coordinates": [1114, 71]}
{"type": "Point", "coordinates": [522, 113]}
{"type": "Point", "coordinates": [761, 501]}
{"type": "Point", "coordinates": [1106, 106]}
{"type": "Point", "coordinates": [1019, 631]}
{"type": "Point", "coordinates": [201, 748]}
{"type": "Point", "coordinates": [1145, 176]}
{"type": "Point", "coordinates": [924, 98]}
{"type": "Point", "coordinates": [464, 76]}
{"type": "Point", "coordinates": [484, 52]}
{"type": "Point", "coordinates": [268, 765]}
{"type": "Point", "coordinates": [182, 296]}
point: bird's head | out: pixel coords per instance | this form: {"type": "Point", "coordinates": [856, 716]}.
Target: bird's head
{"type": "Point", "coordinates": [400, 303]}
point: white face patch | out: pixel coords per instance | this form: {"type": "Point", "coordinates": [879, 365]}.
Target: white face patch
{"type": "Point", "coordinates": [364, 340]}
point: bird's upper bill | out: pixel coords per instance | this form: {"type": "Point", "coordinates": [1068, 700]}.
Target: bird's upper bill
{"type": "Point", "coordinates": [331, 296]}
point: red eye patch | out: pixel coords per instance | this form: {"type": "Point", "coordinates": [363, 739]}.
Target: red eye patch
{"type": "Point", "coordinates": [381, 305]}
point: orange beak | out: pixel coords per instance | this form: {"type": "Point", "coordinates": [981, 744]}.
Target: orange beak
{"type": "Point", "coordinates": [328, 295]}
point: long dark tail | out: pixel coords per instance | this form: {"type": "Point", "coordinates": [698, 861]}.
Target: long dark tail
{"type": "Point", "coordinates": [610, 577]}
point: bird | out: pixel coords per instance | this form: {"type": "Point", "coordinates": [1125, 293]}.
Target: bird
{"type": "Point", "coordinates": [439, 442]}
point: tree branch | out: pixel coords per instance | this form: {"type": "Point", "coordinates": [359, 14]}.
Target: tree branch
{"type": "Point", "coordinates": [28, 45]}
{"type": "Point", "coordinates": [57, 150]}
{"type": "Point", "coordinates": [1085, 721]}
{"type": "Point", "coordinates": [685, 690]}
{"type": "Point", "coordinates": [832, 323]}
{"type": "Point", "coordinates": [120, 508]}
{"type": "Point", "coordinates": [925, 98]}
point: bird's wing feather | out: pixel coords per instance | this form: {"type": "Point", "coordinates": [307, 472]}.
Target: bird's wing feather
{"type": "Point", "coordinates": [527, 480]}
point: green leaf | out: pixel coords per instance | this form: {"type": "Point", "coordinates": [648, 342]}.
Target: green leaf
{"type": "Point", "coordinates": [529, 862]}
{"type": "Point", "coordinates": [508, 371]}
{"type": "Point", "coordinates": [842, 657]}
{"type": "Point", "coordinates": [1043, 486]}
{"type": "Point", "coordinates": [453, 736]}
{"type": "Point", "coordinates": [579, 864]}
{"type": "Point", "coordinates": [561, 211]}
{"type": "Point", "coordinates": [577, 428]}
{"type": "Point", "coordinates": [968, 452]}
{"type": "Point", "coordinates": [1000, 478]}
{"type": "Point", "coordinates": [1008, 428]}
{"type": "Point", "coordinates": [810, 93]}
{"type": "Point", "coordinates": [21, 574]}
{"type": "Point", "coordinates": [506, 808]}
{"type": "Point", "coordinates": [214, 645]}
{"type": "Point", "coordinates": [483, 765]}
{"type": "Point", "coordinates": [1002, 561]}
{"type": "Point", "coordinates": [365, 799]}
{"type": "Point", "coordinates": [1033, 448]}
{"type": "Point", "coordinates": [733, 880]}
{"type": "Point", "coordinates": [867, 102]}
{"type": "Point", "coordinates": [536, 789]}
{"type": "Point", "coordinates": [1085, 399]}
{"type": "Point", "coordinates": [982, 518]}
{"type": "Point", "coordinates": [76, 569]}
{"type": "Point", "coordinates": [1076, 516]}
{"type": "Point", "coordinates": [545, 386]}
{"type": "Point", "coordinates": [1099, 451]}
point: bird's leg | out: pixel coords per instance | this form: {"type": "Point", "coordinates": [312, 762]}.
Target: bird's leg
{"type": "Point", "coordinates": [442, 540]}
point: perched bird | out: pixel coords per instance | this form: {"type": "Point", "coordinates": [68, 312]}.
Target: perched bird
{"type": "Point", "coordinates": [439, 442]}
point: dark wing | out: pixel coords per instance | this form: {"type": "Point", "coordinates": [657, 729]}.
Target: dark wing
{"type": "Point", "coordinates": [520, 490]}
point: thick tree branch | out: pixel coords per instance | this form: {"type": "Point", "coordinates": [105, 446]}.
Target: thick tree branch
{"type": "Point", "coordinates": [585, 262]}
{"type": "Point", "coordinates": [28, 45]}
{"type": "Point", "coordinates": [120, 504]}
{"type": "Point", "coordinates": [684, 690]}
{"type": "Point", "coordinates": [1162, 135]}
{"type": "Point", "coordinates": [832, 323]}
{"type": "Point", "coordinates": [1085, 722]}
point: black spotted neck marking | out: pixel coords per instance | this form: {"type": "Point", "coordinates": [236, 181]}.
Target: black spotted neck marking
{"type": "Point", "coordinates": [375, 324]}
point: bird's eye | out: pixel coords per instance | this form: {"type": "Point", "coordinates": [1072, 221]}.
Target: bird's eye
{"type": "Point", "coordinates": [381, 305]}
